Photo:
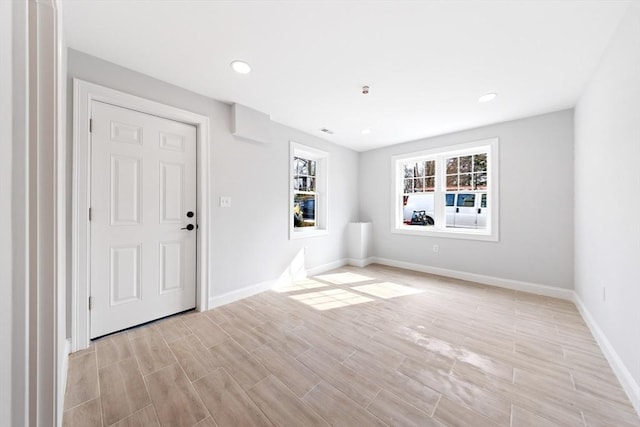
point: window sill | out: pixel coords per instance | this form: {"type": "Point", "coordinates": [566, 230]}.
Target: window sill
{"type": "Point", "coordinates": [303, 234]}
{"type": "Point", "coordinates": [461, 233]}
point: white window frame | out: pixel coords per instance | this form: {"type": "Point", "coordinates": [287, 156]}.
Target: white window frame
{"type": "Point", "coordinates": [321, 203]}
{"type": "Point", "coordinates": [490, 233]}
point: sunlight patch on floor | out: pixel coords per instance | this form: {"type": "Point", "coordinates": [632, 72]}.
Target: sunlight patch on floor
{"type": "Point", "coordinates": [344, 278]}
{"type": "Point", "coordinates": [387, 290]}
{"type": "Point", "coordinates": [332, 298]}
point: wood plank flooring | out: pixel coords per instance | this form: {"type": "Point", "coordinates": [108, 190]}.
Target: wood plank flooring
{"type": "Point", "coordinates": [375, 346]}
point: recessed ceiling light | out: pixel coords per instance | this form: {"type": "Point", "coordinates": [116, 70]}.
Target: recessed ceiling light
{"type": "Point", "coordinates": [487, 97]}
{"type": "Point", "coordinates": [365, 131]}
{"type": "Point", "coordinates": [241, 67]}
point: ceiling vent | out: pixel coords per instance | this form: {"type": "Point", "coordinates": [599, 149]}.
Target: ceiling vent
{"type": "Point", "coordinates": [325, 130]}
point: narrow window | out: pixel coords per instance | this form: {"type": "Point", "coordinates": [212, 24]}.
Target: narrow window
{"type": "Point", "coordinates": [308, 201]}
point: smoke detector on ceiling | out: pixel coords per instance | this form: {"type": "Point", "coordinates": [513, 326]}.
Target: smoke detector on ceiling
{"type": "Point", "coordinates": [365, 90]}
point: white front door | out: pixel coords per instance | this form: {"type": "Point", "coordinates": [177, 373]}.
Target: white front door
{"type": "Point", "coordinates": [143, 197]}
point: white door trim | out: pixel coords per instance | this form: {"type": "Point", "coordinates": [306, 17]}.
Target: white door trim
{"type": "Point", "coordinates": [83, 94]}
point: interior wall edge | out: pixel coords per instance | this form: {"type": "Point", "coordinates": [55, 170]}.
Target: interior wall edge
{"type": "Point", "coordinates": [630, 386]}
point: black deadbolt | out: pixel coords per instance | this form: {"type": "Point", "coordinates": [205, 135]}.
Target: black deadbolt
{"type": "Point", "coordinates": [189, 214]}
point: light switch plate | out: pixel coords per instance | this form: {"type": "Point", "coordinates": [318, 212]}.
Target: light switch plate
{"type": "Point", "coordinates": [225, 202]}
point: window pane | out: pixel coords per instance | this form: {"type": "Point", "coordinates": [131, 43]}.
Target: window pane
{"type": "Point", "coordinates": [430, 168]}
{"type": "Point", "coordinates": [465, 164]}
{"type": "Point", "coordinates": [449, 198]}
{"type": "Point", "coordinates": [408, 185]}
{"type": "Point", "coordinates": [480, 181]}
{"type": "Point", "coordinates": [418, 210]}
{"type": "Point", "coordinates": [452, 182]}
{"type": "Point", "coordinates": [312, 167]}
{"type": "Point", "coordinates": [419, 168]}
{"type": "Point", "coordinates": [302, 183]}
{"type": "Point", "coordinates": [466, 200]}
{"type": "Point", "coordinates": [301, 166]}
{"type": "Point", "coordinates": [408, 170]}
{"type": "Point", "coordinates": [452, 165]}
{"type": "Point", "coordinates": [312, 184]}
{"type": "Point", "coordinates": [480, 162]}
{"type": "Point", "coordinates": [304, 210]}
{"type": "Point", "coordinates": [429, 184]}
{"type": "Point", "coordinates": [464, 181]}
{"type": "Point", "coordinates": [418, 185]}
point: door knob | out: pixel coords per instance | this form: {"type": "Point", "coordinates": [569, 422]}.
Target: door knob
{"type": "Point", "coordinates": [188, 227]}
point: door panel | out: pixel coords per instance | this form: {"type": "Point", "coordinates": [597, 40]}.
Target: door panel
{"type": "Point", "coordinates": [124, 275]}
{"type": "Point", "coordinates": [172, 191]}
{"type": "Point", "coordinates": [143, 183]}
{"type": "Point", "coordinates": [171, 265]}
{"type": "Point", "coordinates": [125, 190]}
{"type": "Point", "coordinates": [465, 216]}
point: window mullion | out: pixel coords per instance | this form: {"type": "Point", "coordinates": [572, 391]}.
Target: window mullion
{"type": "Point", "coordinates": [439, 202]}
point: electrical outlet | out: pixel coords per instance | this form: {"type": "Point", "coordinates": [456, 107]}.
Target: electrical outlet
{"type": "Point", "coordinates": [435, 248]}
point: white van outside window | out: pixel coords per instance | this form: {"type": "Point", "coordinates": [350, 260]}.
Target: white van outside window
{"type": "Point", "coordinates": [463, 210]}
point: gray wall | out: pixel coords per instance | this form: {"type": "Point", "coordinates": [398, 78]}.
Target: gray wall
{"type": "Point", "coordinates": [250, 240]}
{"type": "Point", "coordinates": [536, 204]}
{"type": "Point", "coordinates": [607, 194]}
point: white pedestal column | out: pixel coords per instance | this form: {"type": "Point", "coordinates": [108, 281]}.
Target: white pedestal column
{"type": "Point", "coordinates": [359, 235]}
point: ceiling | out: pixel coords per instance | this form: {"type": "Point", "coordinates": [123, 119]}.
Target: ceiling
{"type": "Point", "coordinates": [426, 62]}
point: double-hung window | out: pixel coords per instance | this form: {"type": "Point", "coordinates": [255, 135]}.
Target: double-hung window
{"type": "Point", "coordinates": [308, 191]}
{"type": "Point", "coordinates": [447, 192]}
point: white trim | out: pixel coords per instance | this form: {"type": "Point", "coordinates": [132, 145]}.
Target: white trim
{"type": "Point", "coordinates": [285, 280]}
{"type": "Point", "coordinates": [360, 262]}
{"type": "Point", "coordinates": [532, 288]}
{"type": "Point", "coordinates": [630, 386]}
{"type": "Point", "coordinates": [84, 93]}
{"type": "Point", "coordinates": [61, 340]}
{"type": "Point", "coordinates": [237, 295]}
{"type": "Point", "coordinates": [314, 271]}
{"type": "Point", "coordinates": [63, 368]}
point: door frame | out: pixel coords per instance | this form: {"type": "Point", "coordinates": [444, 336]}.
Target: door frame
{"type": "Point", "coordinates": [84, 93]}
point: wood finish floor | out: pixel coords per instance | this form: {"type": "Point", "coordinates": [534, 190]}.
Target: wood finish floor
{"type": "Point", "coordinates": [354, 347]}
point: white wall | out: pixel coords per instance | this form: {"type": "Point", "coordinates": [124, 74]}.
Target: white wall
{"type": "Point", "coordinates": [607, 196]}
{"type": "Point", "coordinates": [250, 240]}
{"type": "Point", "coordinates": [536, 205]}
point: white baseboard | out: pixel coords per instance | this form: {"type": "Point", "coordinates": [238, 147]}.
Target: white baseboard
{"type": "Point", "coordinates": [314, 271]}
{"type": "Point", "coordinates": [533, 288]}
{"type": "Point", "coordinates": [284, 280]}
{"type": "Point", "coordinates": [363, 262]}
{"type": "Point", "coordinates": [631, 387]}
{"type": "Point", "coordinates": [62, 377]}
{"type": "Point", "coordinates": [247, 291]}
